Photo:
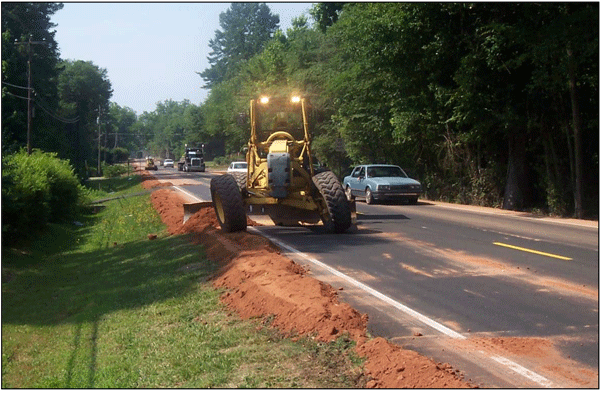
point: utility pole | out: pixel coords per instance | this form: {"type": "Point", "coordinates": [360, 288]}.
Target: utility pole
{"type": "Point", "coordinates": [29, 43]}
{"type": "Point", "coordinates": [99, 138]}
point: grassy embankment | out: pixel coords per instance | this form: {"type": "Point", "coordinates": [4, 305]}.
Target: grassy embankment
{"type": "Point", "coordinates": [95, 304]}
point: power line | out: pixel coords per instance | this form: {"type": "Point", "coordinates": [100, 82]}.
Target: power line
{"type": "Point", "coordinates": [14, 95]}
{"type": "Point", "coordinates": [19, 87]}
{"type": "Point", "coordinates": [55, 116]}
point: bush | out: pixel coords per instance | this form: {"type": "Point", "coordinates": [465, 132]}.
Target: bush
{"type": "Point", "coordinates": [113, 170]}
{"type": "Point", "coordinates": [37, 189]}
{"type": "Point", "coordinates": [219, 160]}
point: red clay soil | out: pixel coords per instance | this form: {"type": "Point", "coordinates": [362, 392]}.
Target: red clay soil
{"type": "Point", "coordinates": [261, 282]}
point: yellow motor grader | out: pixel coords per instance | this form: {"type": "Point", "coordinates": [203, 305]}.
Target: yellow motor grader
{"type": "Point", "coordinates": [150, 165]}
{"type": "Point", "coordinates": [281, 181]}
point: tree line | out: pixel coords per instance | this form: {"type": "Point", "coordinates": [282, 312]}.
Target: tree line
{"type": "Point", "coordinates": [494, 104]}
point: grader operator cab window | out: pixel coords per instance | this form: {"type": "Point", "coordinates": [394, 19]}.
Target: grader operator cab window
{"type": "Point", "coordinates": [279, 114]}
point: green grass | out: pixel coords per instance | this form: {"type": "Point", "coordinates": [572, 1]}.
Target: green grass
{"type": "Point", "coordinates": [79, 311]}
{"type": "Point", "coordinates": [102, 188]}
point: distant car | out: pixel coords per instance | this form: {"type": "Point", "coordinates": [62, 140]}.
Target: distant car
{"type": "Point", "coordinates": [238, 166]}
{"type": "Point", "coordinates": [168, 163]}
{"type": "Point", "coordinates": [381, 182]}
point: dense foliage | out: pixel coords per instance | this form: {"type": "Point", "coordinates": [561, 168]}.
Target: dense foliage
{"type": "Point", "coordinates": [486, 103]}
{"type": "Point", "coordinates": [37, 189]}
{"type": "Point", "coordinates": [22, 22]}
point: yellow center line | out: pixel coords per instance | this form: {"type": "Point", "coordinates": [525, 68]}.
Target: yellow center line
{"type": "Point", "coordinates": [533, 251]}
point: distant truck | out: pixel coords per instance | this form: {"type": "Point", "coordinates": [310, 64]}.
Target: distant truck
{"type": "Point", "coordinates": [192, 160]}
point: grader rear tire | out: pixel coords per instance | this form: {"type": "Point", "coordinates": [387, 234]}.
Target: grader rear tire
{"type": "Point", "coordinates": [228, 203]}
{"type": "Point", "coordinates": [331, 189]}
{"type": "Point", "coordinates": [240, 179]}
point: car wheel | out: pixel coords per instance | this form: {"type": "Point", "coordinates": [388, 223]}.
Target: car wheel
{"type": "Point", "coordinates": [369, 196]}
{"type": "Point", "coordinates": [349, 193]}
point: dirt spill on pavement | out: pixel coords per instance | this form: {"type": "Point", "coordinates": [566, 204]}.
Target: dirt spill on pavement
{"type": "Point", "coordinates": [540, 351]}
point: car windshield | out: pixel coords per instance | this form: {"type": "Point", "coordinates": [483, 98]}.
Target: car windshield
{"type": "Point", "coordinates": [241, 165]}
{"type": "Point", "coordinates": [385, 171]}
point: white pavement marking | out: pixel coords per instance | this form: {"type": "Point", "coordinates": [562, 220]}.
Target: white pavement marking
{"type": "Point", "coordinates": [188, 193]}
{"type": "Point", "coordinates": [426, 320]}
{"type": "Point", "coordinates": [465, 208]}
{"type": "Point", "coordinates": [523, 371]}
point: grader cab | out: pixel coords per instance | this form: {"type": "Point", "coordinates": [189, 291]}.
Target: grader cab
{"type": "Point", "coordinates": [281, 181]}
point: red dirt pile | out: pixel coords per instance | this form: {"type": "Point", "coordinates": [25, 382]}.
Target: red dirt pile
{"type": "Point", "coordinates": [263, 283]}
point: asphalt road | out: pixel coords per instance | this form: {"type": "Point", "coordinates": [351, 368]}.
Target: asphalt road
{"type": "Point", "coordinates": [432, 275]}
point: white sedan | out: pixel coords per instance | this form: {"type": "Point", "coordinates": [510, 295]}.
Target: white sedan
{"type": "Point", "coordinates": [238, 166]}
{"type": "Point", "coordinates": [168, 163]}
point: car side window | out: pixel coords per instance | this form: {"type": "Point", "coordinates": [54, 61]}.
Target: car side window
{"type": "Point", "coordinates": [355, 172]}
{"type": "Point", "coordinates": [361, 173]}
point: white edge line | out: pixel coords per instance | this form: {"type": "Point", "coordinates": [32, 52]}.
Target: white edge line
{"type": "Point", "coordinates": [523, 371]}
{"type": "Point", "coordinates": [188, 193]}
{"type": "Point", "coordinates": [426, 320]}
{"type": "Point", "coordinates": [547, 220]}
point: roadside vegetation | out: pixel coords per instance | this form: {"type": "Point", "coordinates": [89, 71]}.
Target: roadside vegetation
{"type": "Point", "coordinates": [486, 103]}
{"type": "Point", "coordinates": [37, 189]}
{"type": "Point", "coordinates": [93, 303]}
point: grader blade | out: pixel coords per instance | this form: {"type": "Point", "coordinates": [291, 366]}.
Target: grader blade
{"type": "Point", "coordinates": [189, 209]}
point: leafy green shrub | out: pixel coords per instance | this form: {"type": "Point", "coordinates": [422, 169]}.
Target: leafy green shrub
{"type": "Point", "coordinates": [114, 170]}
{"type": "Point", "coordinates": [37, 189]}
{"type": "Point", "coordinates": [220, 160]}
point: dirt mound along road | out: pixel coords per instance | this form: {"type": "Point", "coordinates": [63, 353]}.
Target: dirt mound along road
{"type": "Point", "coordinates": [261, 282]}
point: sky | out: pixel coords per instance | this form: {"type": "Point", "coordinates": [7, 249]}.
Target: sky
{"type": "Point", "coordinates": [151, 51]}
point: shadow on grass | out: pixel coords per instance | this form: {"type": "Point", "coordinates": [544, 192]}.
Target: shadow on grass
{"type": "Point", "coordinates": [81, 287]}
{"type": "Point", "coordinates": [54, 239]}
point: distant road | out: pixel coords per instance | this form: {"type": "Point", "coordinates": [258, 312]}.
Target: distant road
{"type": "Point", "coordinates": [438, 277]}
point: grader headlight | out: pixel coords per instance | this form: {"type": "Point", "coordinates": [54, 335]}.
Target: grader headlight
{"type": "Point", "coordinates": [264, 100]}
{"type": "Point", "coordinates": [295, 99]}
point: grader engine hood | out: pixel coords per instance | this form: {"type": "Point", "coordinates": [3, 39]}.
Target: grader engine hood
{"type": "Point", "coordinates": [278, 163]}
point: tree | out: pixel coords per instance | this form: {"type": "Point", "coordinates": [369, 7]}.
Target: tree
{"type": "Point", "coordinates": [568, 42]}
{"type": "Point", "coordinates": [20, 22]}
{"type": "Point", "coordinates": [84, 91]}
{"type": "Point", "coordinates": [326, 14]}
{"type": "Point", "coordinates": [246, 27]}
{"type": "Point", "coordinates": [118, 131]}
{"type": "Point", "coordinates": [487, 103]}
{"type": "Point", "coordinates": [475, 91]}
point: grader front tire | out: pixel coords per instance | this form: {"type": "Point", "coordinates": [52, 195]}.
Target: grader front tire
{"type": "Point", "coordinates": [228, 203]}
{"type": "Point", "coordinates": [330, 188]}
